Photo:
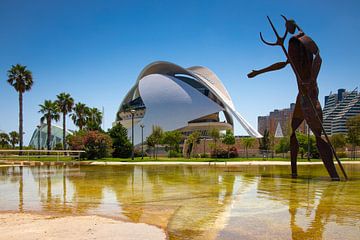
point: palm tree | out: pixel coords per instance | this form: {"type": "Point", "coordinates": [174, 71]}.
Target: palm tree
{"type": "Point", "coordinates": [79, 115]}
{"type": "Point", "coordinates": [4, 140]}
{"type": "Point", "coordinates": [65, 103]}
{"type": "Point", "coordinates": [14, 138]}
{"type": "Point", "coordinates": [192, 140]}
{"type": "Point", "coordinates": [50, 112]}
{"type": "Point", "coordinates": [94, 119]}
{"type": "Point", "coordinates": [21, 79]}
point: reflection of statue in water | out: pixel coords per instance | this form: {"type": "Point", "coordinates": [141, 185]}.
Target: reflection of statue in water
{"type": "Point", "coordinates": [303, 56]}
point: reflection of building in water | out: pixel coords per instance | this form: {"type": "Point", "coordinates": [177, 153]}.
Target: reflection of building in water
{"type": "Point", "coordinates": [193, 202]}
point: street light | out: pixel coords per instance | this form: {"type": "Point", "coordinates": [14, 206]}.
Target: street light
{"type": "Point", "coordinates": [142, 140]}
{"type": "Point", "coordinates": [132, 111]}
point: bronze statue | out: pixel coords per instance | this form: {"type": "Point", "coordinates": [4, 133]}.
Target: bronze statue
{"type": "Point", "coordinates": [304, 57]}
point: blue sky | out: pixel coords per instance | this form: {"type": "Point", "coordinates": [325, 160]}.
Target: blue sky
{"type": "Point", "coordinates": [94, 50]}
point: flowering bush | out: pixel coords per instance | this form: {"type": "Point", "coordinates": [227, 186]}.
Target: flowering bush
{"type": "Point", "coordinates": [96, 144]}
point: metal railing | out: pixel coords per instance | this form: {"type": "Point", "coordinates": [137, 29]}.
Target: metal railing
{"type": "Point", "coordinates": [14, 154]}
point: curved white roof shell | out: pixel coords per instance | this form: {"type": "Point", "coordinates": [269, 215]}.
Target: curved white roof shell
{"type": "Point", "coordinates": [171, 103]}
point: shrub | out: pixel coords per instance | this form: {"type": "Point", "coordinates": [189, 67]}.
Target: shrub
{"type": "Point", "coordinates": [97, 145]}
{"type": "Point", "coordinates": [173, 153]}
{"type": "Point", "coordinates": [341, 154]}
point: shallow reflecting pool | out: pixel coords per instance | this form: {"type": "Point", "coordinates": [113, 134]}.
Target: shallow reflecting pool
{"type": "Point", "coordinates": [195, 202]}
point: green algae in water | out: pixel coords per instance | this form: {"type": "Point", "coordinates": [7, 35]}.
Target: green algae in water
{"type": "Point", "coordinates": [195, 202]}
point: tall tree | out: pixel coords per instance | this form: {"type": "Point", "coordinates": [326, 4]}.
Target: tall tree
{"type": "Point", "coordinates": [14, 138]}
{"type": "Point", "coordinates": [121, 145]}
{"type": "Point", "coordinates": [79, 115]}
{"type": "Point", "coordinates": [229, 140]}
{"type": "Point", "coordinates": [248, 143]}
{"type": "Point", "coordinates": [65, 104]}
{"type": "Point", "coordinates": [21, 79]}
{"type": "Point", "coordinates": [94, 119]}
{"type": "Point", "coordinates": [50, 112]}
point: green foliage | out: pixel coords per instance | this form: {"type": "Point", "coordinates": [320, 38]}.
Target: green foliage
{"type": "Point", "coordinates": [173, 140]}
{"type": "Point", "coordinates": [248, 143]}
{"type": "Point", "coordinates": [283, 146]}
{"type": "Point", "coordinates": [94, 119]}
{"type": "Point", "coordinates": [20, 78]}
{"type": "Point", "coordinates": [58, 146]}
{"type": "Point", "coordinates": [303, 145]}
{"type": "Point", "coordinates": [155, 138]}
{"type": "Point", "coordinates": [50, 111]}
{"type": "Point", "coordinates": [96, 144]}
{"type": "Point", "coordinates": [14, 138]}
{"type": "Point", "coordinates": [264, 142]}
{"type": "Point", "coordinates": [229, 138]}
{"type": "Point", "coordinates": [353, 125]}
{"type": "Point", "coordinates": [192, 140]}
{"type": "Point", "coordinates": [338, 140]}
{"type": "Point", "coordinates": [121, 145]}
{"type": "Point", "coordinates": [79, 115]}
{"type": "Point", "coordinates": [4, 140]}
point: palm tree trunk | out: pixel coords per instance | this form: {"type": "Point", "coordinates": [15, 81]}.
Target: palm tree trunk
{"type": "Point", "coordinates": [64, 130]}
{"type": "Point", "coordinates": [20, 122]}
{"type": "Point", "coordinates": [228, 151]}
{"type": "Point", "coordinates": [48, 133]}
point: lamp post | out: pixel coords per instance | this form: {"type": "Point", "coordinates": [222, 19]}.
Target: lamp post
{"type": "Point", "coordinates": [132, 111]}
{"type": "Point", "coordinates": [142, 140]}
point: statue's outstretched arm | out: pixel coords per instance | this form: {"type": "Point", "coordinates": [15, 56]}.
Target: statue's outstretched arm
{"type": "Point", "coordinates": [274, 67]}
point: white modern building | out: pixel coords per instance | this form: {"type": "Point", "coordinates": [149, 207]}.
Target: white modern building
{"type": "Point", "coordinates": [338, 108]}
{"type": "Point", "coordinates": [176, 98]}
{"type": "Point", "coordinates": [39, 137]}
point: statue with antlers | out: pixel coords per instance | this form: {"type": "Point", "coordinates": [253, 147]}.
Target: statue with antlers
{"type": "Point", "coordinates": [304, 57]}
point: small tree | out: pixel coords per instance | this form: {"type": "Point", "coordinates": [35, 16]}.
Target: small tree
{"type": "Point", "coordinates": [353, 125]}
{"type": "Point", "coordinates": [283, 146]}
{"type": "Point", "coordinates": [4, 140]}
{"type": "Point", "coordinates": [229, 140]}
{"type": "Point", "coordinates": [150, 142]}
{"type": "Point", "coordinates": [338, 140]}
{"type": "Point", "coordinates": [172, 139]}
{"type": "Point", "coordinates": [157, 134]}
{"type": "Point", "coordinates": [14, 138]}
{"type": "Point", "coordinates": [248, 143]}
{"type": "Point", "coordinates": [121, 145]}
{"type": "Point", "coordinates": [215, 135]}
{"type": "Point", "coordinates": [264, 142]}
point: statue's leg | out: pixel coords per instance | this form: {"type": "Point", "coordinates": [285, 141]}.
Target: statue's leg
{"type": "Point", "coordinates": [323, 147]}
{"type": "Point", "coordinates": [297, 119]}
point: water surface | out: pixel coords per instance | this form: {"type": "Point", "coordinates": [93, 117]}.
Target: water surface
{"type": "Point", "coordinates": [195, 202]}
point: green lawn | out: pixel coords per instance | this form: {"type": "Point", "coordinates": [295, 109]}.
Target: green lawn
{"type": "Point", "coordinates": [159, 159]}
